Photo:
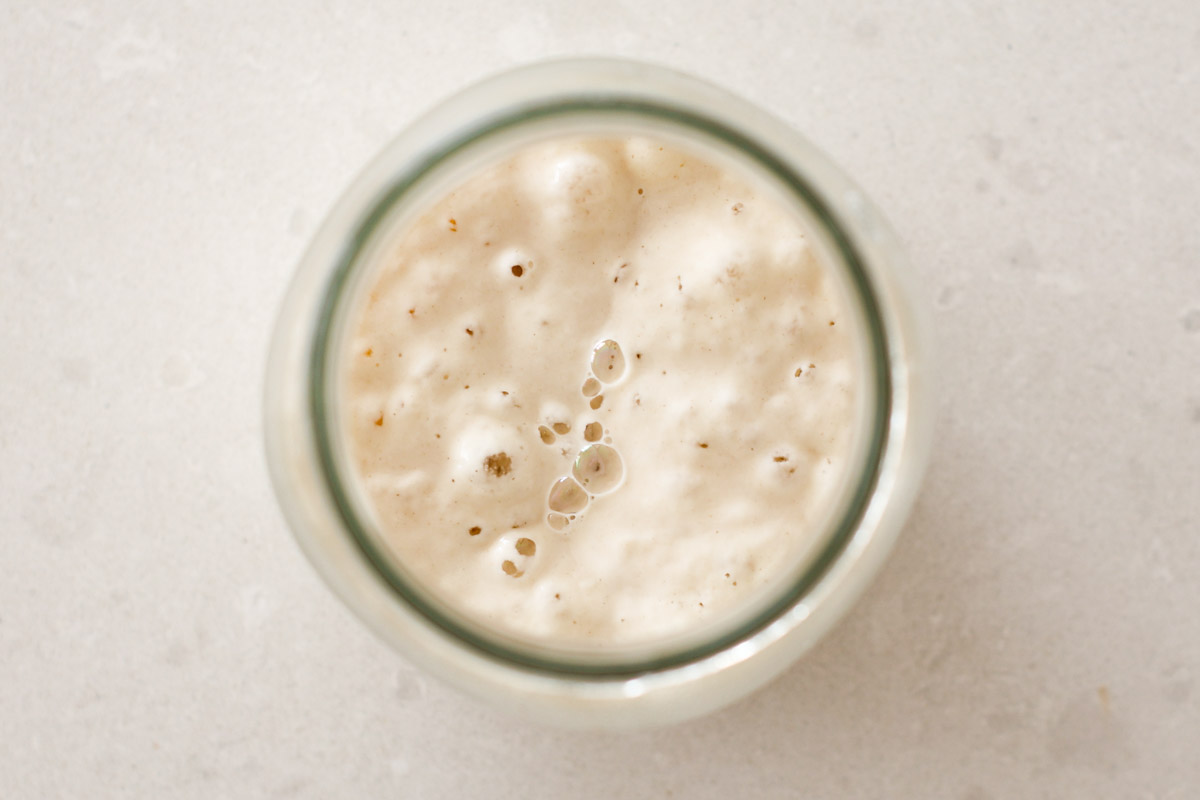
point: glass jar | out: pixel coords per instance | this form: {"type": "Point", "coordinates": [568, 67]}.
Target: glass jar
{"type": "Point", "coordinates": [618, 688]}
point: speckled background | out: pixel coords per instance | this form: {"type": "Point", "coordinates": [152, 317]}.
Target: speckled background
{"type": "Point", "coordinates": [1037, 632]}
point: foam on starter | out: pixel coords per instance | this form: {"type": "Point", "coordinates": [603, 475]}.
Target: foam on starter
{"type": "Point", "coordinates": [600, 393]}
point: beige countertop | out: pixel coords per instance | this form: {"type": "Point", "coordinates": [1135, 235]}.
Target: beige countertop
{"type": "Point", "coordinates": [1037, 631]}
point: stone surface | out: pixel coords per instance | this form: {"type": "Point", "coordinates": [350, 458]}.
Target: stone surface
{"type": "Point", "coordinates": [1035, 634]}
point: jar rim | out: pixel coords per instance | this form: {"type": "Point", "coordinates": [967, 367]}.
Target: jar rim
{"type": "Point", "coordinates": [791, 176]}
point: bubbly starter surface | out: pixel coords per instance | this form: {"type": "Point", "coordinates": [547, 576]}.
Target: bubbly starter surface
{"type": "Point", "coordinates": [600, 393]}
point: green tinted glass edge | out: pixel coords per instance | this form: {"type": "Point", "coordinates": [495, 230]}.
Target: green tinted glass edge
{"type": "Point", "coordinates": [876, 342]}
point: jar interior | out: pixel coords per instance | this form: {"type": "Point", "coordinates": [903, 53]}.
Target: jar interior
{"type": "Point", "coordinates": [374, 250]}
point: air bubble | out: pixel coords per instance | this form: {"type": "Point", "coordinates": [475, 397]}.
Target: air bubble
{"type": "Point", "coordinates": [591, 387]}
{"type": "Point", "coordinates": [556, 522]}
{"type": "Point", "coordinates": [598, 468]}
{"type": "Point", "coordinates": [566, 496]}
{"type": "Point", "coordinates": [608, 362]}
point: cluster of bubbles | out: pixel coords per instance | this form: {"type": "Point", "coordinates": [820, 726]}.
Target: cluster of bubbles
{"type": "Point", "coordinates": [597, 468]}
